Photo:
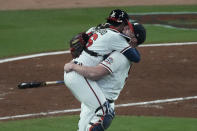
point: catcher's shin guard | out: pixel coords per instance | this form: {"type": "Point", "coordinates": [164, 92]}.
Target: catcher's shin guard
{"type": "Point", "coordinates": [96, 127]}
{"type": "Point", "coordinates": [105, 120]}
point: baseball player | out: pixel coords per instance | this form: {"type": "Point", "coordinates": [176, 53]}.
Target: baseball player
{"type": "Point", "coordinates": [110, 75]}
{"type": "Point", "coordinates": [103, 40]}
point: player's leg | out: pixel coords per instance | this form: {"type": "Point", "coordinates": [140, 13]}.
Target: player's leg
{"type": "Point", "coordinates": [85, 116]}
{"type": "Point", "coordinates": [101, 122]}
{"type": "Point", "coordinates": [89, 93]}
{"type": "Point", "coordinates": [91, 121]}
{"type": "Point", "coordinates": [86, 91]}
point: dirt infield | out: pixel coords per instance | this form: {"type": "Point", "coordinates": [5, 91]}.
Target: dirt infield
{"type": "Point", "coordinates": [163, 73]}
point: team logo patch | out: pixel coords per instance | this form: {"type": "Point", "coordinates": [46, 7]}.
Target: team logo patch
{"type": "Point", "coordinates": [109, 60]}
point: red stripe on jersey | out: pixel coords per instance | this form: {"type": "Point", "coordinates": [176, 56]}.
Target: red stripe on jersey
{"type": "Point", "coordinates": [125, 49]}
{"type": "Point", "coordinates": [130, 26]}
{"type": "Point", "coordinates": [129, 72]}
{"type": "Point", "coordinates": [95, 94]}
{"type": "Point", "coordinates": [106, 67]}
{"type": "Point", "coordinates": [113, 29]}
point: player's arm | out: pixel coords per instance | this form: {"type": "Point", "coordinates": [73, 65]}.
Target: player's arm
{"type": "Point", "coordinates": [121, 45]}
{"type": "Point", "coordinates": [132, 54]}
{"type": "Point", "coordinates": [93, 72]}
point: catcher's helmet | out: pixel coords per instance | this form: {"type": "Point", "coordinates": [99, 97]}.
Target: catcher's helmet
{"type": "Point", "coordinates": [140, 32]}
{"type": "Point", "coordinates": [117, 17]}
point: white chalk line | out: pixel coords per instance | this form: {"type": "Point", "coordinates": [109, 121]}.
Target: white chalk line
{"type": "Point", "coordinates": [171, 27]}
{"type": "Point", "coordinates": [117, 106]}
{"type": "Point", "coordinates": [32, 56]}
{"type": "Point", "coordinates": [167, 13]}
{"type": "Point", "coordinates": [163, 13]}
{"type": "Point", "coordinates": [65, 52]}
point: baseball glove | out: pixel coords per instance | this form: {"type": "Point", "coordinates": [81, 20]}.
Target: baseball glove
{"type": "Point", "coordinates": [78, 44]}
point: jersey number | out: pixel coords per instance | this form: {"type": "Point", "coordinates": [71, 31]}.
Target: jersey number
{"type": "Point", "coordinates": [92, 39]}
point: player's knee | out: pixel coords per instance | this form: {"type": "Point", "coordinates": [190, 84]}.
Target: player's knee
{"type": "Point", "coordinates": [97, 127]}
{"type": "Point", "coordinates": [102, 126]}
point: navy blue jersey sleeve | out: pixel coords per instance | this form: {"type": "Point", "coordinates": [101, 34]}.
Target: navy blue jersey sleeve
{"type": "Point", "coordinates": [132, 54]}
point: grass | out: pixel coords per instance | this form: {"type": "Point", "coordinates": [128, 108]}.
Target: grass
{"type": "Point", "coordinates": [31, 31]}
{"type": "Point", "coordinates": [164, 35]}
{"type": "Point", "coordinates": [68, 123]}
{"type": "Point", "coordinates": [133, 123]}
{"type": "Point", "coordinates": [120, 123]}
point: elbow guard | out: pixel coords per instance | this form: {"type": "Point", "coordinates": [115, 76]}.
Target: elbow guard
{"type": "Point", "coordinates": [132, 55]}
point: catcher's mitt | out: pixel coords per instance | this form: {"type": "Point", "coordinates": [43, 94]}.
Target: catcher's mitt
{"type": "Point", "coordinates": [78, 44]}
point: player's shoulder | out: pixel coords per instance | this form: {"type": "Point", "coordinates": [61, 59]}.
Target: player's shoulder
{"type": "Point", "coordinates": [92, 29]}
{"type": "Point", "coordinates": [118, 34]}
{"type": "Point", "coordinates": [115, 61]}
{"type": "Point", "coordinates": [117, 55]}
{"type": "Point", "coordinates": [112, 31]}
{"type": "Point", "coordinates": [127, 38]}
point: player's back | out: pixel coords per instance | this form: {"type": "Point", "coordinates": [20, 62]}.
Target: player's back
{"type": "Point", "coordinates": [103, 42]}
{"type": "Point", "coordinates": [112, 84]}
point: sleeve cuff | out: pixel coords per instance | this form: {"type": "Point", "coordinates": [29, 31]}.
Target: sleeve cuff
{"type": "Point", "coordinates": [106, 67]}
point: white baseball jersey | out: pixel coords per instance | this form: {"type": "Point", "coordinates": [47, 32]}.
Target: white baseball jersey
{"type": "Point", "coordinates": [103, 42]}
{"type": "Point", "coordinates": [118, 65]}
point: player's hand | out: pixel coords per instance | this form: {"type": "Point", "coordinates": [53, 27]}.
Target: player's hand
{"type": "Point", "coordinates": [127, 31]}
{"type": "Point", "coordinates": [68, 67]}
{"type": "Point", "coordinates": [133, 42]}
